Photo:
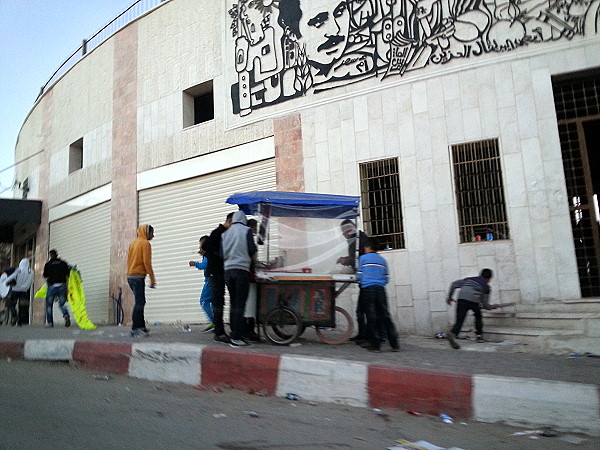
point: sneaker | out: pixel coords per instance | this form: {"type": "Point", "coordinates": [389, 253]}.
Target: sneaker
{"type": "Point", "coordinates": [67, 321]}
{"type": "Point", "coordinates": [238, 343]}
{"type": "Point", "coordinates": [373, 349]}
{"type": "Point", "coordinates": [138, 332]}
{"type": "Point", "coordinates": [479, 339]}
{"type": "Point", "coordinates": [357, 338]}
{"type": "Point", "coordinates": [452, 340]}
{"type": "Point", "coordinates": [253, 337]}
{"type": "Point", "coordinates": [209, 327]}
{"type": "Point", "coordinates": [223, 338]}
{"type": "Point", "coordinates": [49, 325]}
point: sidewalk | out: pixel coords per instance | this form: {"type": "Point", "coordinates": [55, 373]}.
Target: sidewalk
{"type": "Point", "coordinates": [489, 382]}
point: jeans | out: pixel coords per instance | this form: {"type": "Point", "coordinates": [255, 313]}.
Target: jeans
{"type": "Point", "coordinates": [462, 307]}
{"type": "Point", "coordinates": [138, 287]}
{"type": "Point", "coordinates": [206, 301]}
{"type": "Point", "coordinates": [217, 283]}
{"type": "Point", "coordinates": [22, 300]}
{"type": "Point", "coordinates": [238, 284]}
{"type": "Point", "coordinates": [361, 317]}
{"type": "Point", "coordinates": [378, 317]}
{"type": "Point", "coordinates": [11, 309]}
{"type": "Point", "coordinates": [59, 291]}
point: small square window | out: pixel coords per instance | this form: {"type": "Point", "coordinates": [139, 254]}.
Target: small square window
{"type": "Point", "coordinates": [76, 156]}
{"type": "Point", "coordinates": [479, 191]}
{"type": "Point", "coordinates": [198, 104]}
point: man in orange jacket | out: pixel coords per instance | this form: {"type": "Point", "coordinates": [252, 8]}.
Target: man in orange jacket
{"type": "Point", "coordinates": [139, 264]}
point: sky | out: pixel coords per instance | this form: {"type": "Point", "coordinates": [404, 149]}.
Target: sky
{"type": "Point", "coordinates": [36, 36]}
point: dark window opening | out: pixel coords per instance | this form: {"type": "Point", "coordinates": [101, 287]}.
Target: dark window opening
{"type": "Point", "coordinates": [381, 202]}
{"type": "Point", "coordinates": [198, 104]}
{"type": "Point", "coordinates": [479, 191]}
{"type": "Point", "coordinates": [577, 102]}
{"type": "Point", "coordinates": [76, 156]}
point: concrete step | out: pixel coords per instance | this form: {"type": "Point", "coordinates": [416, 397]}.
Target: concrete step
{"type": "Point", "coordinates": [589, 323]}
{"type": "Point", "coordinates": [590, 305]}
{"type": "Point", "coordinates": [555, 340]}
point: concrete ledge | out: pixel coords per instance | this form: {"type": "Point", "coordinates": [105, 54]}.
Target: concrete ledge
{"type": "Point", "coordinates": [104, 356]}
{"type": "Point", "coordinates": [323, 380]}
{"type": "Point", "coordinates": [487, 398]}
{"type": "Point", "coordinates": [12, 349]}
{"type": "Point", "coordinates": [432, 392]}
{"type": "Point", "coordinates": [175, 363]}
{"type": "Point", "coordinates": [241, 369]}
{"type": "Point", "coordinates": [49, 350]}
{"type": "Point", "coordinates": [566, 406]}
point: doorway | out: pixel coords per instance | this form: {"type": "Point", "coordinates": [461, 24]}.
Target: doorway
{"type": "Point", "coordinates": [577, 102]}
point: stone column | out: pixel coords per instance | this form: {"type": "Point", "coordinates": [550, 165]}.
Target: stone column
{"type": "Point", "coordinates": [289, 159]}
{"type": "Point", "coordinates": [38, 307]}
{"type": "Point", "coordinates": [124, 205]}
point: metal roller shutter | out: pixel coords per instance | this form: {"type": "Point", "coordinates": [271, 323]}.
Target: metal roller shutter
{"type": "Point", "coordinates": [180, 213]}
{"type": "Point", "coordinates": [83, 239]}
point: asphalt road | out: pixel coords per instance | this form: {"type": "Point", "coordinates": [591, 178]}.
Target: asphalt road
{"type": "Point", "coordinates": [54, 405]}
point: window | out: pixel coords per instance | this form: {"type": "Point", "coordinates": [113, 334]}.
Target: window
{"type": "Point", "coordinates": [381, 205]}
{"type": "Point", "coordinates": [198, 104]}
{"type": "Point", "coordinates": [76, 156]}
{"type": "Point", "coordinates": [479, 191]}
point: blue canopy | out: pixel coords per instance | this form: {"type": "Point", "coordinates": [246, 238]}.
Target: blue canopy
{"type": "Point", "coordinates": [296, 204]}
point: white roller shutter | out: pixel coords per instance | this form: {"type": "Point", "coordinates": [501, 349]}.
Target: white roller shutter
{"type": "Point", "coordinates": [180, 213]}
{"type": "Point", "coordinates": [83, 239]}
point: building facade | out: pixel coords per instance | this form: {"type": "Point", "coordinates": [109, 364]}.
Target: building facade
{"type": "Point", "coordinates": [469, 129]}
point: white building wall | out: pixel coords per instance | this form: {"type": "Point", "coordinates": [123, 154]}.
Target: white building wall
{"type": "Point", "coordinates": [418, 122]}
{"type": "Point", "coordinates": [182, 47]}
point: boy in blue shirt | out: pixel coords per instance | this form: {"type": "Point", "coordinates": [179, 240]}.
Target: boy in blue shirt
{"type": "Point", "coordinates": [373, 275]}
{"type": "Point", "coordinates": [207, 294]}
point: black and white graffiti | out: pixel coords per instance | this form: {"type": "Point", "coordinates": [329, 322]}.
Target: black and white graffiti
{"type": "Point", "coordinates": [288, 48]}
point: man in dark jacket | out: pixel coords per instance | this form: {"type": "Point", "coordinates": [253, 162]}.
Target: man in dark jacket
{"type": "Point", "coordinates": [56, 272]}
{"type": "Point", "coordinates": [237, 249]}
{"type": "Point", "coordinates": [474, 293]}
{"type": "Point", "coordinates": [216, 277]}
{"type": "Point", "coordinates": [349, 231]}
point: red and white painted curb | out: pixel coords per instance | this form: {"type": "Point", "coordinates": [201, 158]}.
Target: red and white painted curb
{"type": "Point", "coordinates": [486, 398]}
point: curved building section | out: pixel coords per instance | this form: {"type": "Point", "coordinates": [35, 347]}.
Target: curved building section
{"type": "Point", "coordinates": [465, 127]}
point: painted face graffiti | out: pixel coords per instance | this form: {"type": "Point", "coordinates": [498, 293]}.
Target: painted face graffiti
{"type": "Point", "coordinates": [325, 33]}
{"type": "Point", "coordinates": [291, 48]}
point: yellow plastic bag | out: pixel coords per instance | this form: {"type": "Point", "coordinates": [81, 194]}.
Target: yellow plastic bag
{"type": "Point", "coordinates": [42, 292]}
{"type": "Point", "coordinates": [77, 301]}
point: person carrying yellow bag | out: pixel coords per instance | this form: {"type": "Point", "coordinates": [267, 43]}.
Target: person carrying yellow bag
{"type": "Point", "coordinates": [63, 281]}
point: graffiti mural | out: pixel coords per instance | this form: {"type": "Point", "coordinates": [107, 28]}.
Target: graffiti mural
{"type": "Point", "coordinates": [289, 48]}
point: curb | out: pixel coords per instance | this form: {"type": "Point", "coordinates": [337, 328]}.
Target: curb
{"type": "Point", "coordinates": [485, 398]}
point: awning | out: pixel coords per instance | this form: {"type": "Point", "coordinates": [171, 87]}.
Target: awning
{"type": "Point", "coordinates": [297, 204]}
{"type": "Point", "coordinates": [18, 212]}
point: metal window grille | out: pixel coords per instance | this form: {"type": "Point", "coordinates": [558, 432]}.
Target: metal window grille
{"type": "Point", "coordinates": [381, 204]}
{"type": "Point", "coordinates": [479, 191]}
{"type": "Point", "coordinates": [577, 102]}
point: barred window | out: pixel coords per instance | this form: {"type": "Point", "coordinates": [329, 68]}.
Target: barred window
{"type": "Point", "coordinates": [381, 205]}
{"type": "Point", "coordinates": [479, 191]}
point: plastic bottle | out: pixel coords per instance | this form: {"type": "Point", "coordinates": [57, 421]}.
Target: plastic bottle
{"type": "Point", "coordinates": [445, 418]}
{"type": "Point", "coordinates": [291, 396]}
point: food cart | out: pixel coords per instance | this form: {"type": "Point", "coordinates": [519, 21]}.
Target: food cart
{"type": "Point", "coordinates": [297, 274]}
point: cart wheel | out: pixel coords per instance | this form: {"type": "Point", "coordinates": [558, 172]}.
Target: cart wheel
{"type": "Point", "coordinates": [342, 330]}
{"type": "Point", "coordinates": [282, 326]}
